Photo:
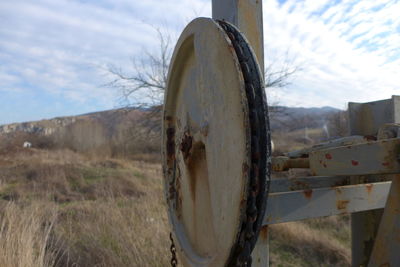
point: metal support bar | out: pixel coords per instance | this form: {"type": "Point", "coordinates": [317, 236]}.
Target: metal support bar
{"type": "Point", "coordinates": [366, 119]}
{"type": "Point", "coordinates": [387, 244]}
{"type": "Point", "coordinates": [247, 16]}
{"type": "Point", "coordinates": [312, 203]}
{"type": "Point", "coordinates": [344, 141]}
{"type": "Point", "coordinates": [315, 182]}
{"type": "Point", "coordinates": [377, 157]}
{"type": "Point", "coordinates": [284, 163]}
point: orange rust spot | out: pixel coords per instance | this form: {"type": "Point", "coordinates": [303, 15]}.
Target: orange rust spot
{"type": "Point", "coordinates": [342, 204]}
{"type": "Point", "coordinates": [264, 232]}
{"type": "Point", "coordinates": [197, 167]}
{"type": "Point", "coordinates": [308, 193]}
{"type": "Point", "coordinates": [369, 187]}
{"type": "Point", "coordinates": [328, 156]}
{"type": "Point", "coordinates": [354, 162]}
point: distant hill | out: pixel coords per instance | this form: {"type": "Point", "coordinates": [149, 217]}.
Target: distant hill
{"type": "Point", "coordinates": [110, 132]}
{"type": "Point", "coordinates": [133, 131]}
{"type": "Point", "coordinates": [281, 117]}
{"type": "Point", "coordinates": [294, 118]}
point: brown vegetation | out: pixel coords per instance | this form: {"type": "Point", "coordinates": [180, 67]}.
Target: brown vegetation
{"type": "Point", "coordinates": [62, 208]}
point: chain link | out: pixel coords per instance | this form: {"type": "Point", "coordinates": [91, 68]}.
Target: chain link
{"type": "Point", "coordinates": [258, 186]}
{"type": "Point", "coordinates": [174, 260]}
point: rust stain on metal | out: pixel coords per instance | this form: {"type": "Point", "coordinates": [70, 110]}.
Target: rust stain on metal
{"type": "Point", "coordinates": [308, 193]}
{"type": "Point", "coordinates": [354, 162]}
{"type": "Point", "coordinates": [369, 187]}
{"type": "Point", "coordinates": [170, 146]}
{"type": "Point", "coordinates": [328, 156]}
{"type": "Point", "coordinates": [264, 232]}
{"type": "Point", "coordinates": [342, 204]}
{"type": "Point", "coordinates": [186, 145]}
{"type": "Point", "coordinates": [196, 166]}
{"type": "Point", "coordinates": [178, 196]}
{"type": "Point", "coordinates": [385, 164]}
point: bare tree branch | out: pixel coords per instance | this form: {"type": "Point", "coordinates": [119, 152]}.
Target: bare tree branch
{"type": "Point", "coordinates": [144, 88]}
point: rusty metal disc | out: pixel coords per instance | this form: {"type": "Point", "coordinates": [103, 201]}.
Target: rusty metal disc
{"type": "Point", "coordinates": [215, 145]}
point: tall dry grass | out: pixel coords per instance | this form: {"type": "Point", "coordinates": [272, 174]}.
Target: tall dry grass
{"type": "Point", "coordinates": [298, 244]}
{"type": "Point", "coordinates": [61, 208]}
{"type": "Point", "coordinates": [25, 235]}
{"type": "Point", "coordinates": [116, 232]}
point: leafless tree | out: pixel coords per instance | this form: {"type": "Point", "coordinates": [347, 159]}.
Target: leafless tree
{"type": "Point", "coordinates": [338, 124]}
{"type": "Point", "coordinates": [144, 87]}
{"type": "Point", "coordinates": [279, 74]}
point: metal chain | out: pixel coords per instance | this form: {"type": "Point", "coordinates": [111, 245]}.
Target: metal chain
{"type": "Point", "coordinates": [258, 185]}
{"type": "Point", "coordinates": [174, 260]}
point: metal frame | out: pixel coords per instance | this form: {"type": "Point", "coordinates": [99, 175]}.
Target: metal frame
{"type": "Point", "coordinates": [346, 184]}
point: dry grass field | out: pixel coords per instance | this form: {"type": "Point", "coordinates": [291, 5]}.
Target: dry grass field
{"type": "Point", "coordinates": [62, 208]}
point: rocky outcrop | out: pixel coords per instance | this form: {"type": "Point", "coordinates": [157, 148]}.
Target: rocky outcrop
{"type": "Point", "coordinates": [43, 127]}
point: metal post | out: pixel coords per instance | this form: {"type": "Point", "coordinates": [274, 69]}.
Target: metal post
{"type": "Point", "coordinates": [365, 119]}
{"type": "Point", "coordinates": [247, 16]}
{"type": "Point", "coordinates": [387, 244]}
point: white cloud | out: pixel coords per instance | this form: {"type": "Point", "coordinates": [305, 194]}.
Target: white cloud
{"type": "Point", "coordinates": [56, 47]}
{"type": "Point", "coordinates": [345, 55]}
{"type": "Point", "coordinates": [349, 49]}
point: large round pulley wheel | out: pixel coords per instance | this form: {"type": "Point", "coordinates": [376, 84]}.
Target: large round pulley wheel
{"type": "Point", "coordinates": [215, 146]}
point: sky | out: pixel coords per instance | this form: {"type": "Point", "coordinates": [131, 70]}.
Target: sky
{"type": "Point", "coordinates": [53, 54]}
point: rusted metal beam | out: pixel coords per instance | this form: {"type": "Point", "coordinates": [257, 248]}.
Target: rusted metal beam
{"type": "Point", "coordinates": [314, 182]}
{"type": "Point", "coordinates": [386, 251]}
{"type": "Point", "coordinates": [344, 141]}
{"type": "Point", "coordinates": [377, 157]}
{"type": "Point", "coordinates": [312, 203]}
{"type": "Point", "coordinates": [367, 119]}
{"type": "Point", "coordinates": [280, 164]}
